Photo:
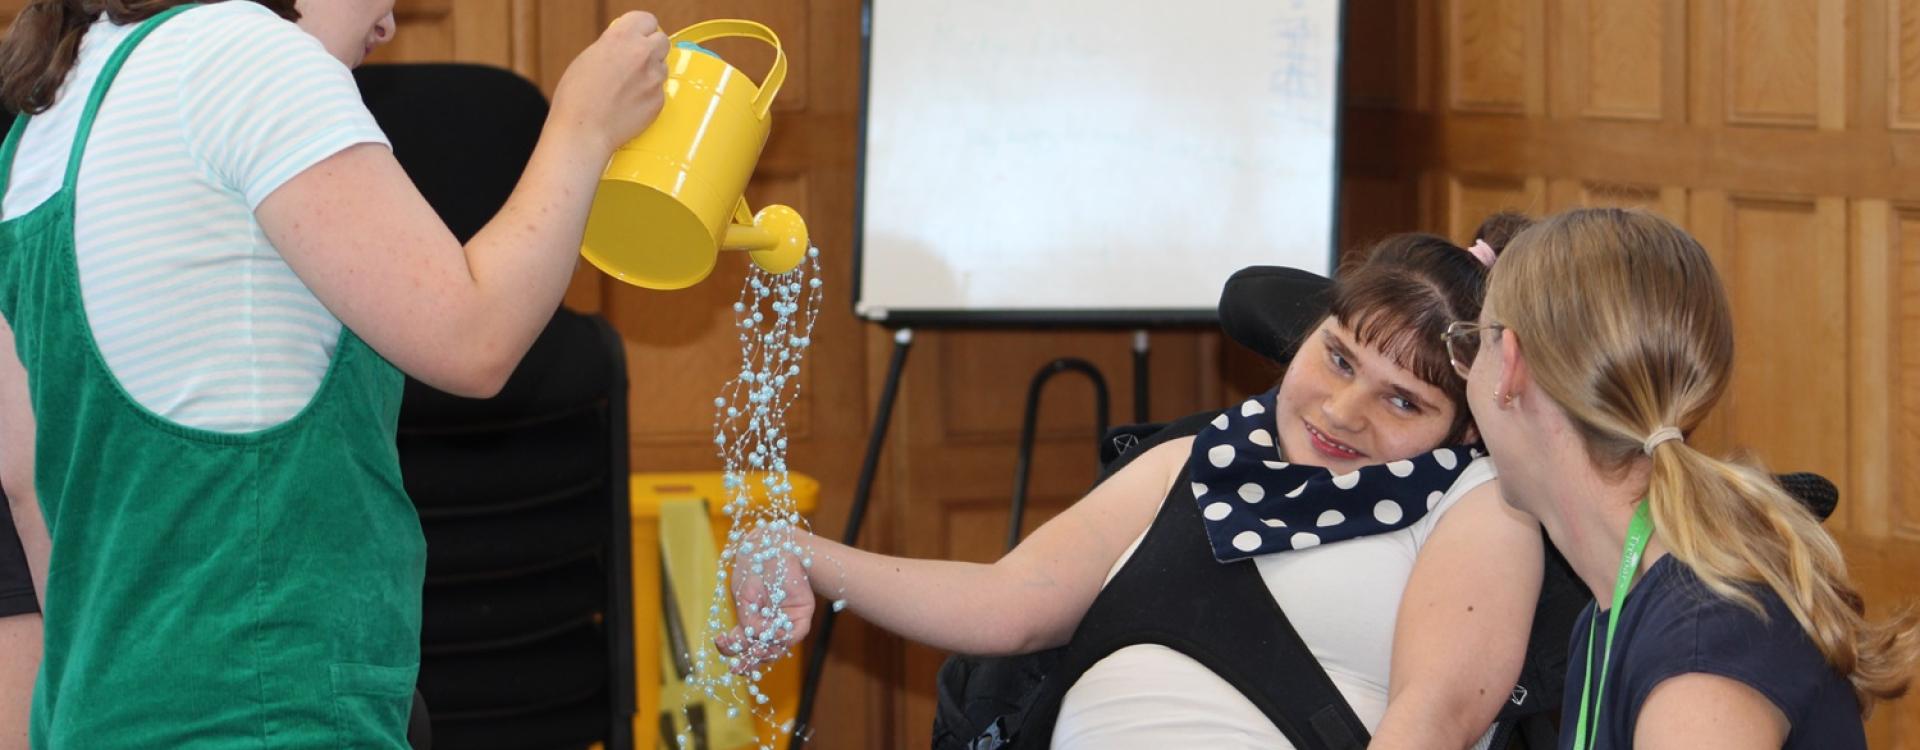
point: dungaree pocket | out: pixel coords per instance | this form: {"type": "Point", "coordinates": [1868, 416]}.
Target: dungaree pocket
{"type": "Point", "coordinates": [371, 705]}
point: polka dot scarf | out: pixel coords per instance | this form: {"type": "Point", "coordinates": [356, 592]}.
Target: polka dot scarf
{"type": "Point", "coordinates": [1254, 502]}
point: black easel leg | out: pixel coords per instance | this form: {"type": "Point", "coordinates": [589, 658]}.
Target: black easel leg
{"type": "Point", "coordinates": [1140, 372]}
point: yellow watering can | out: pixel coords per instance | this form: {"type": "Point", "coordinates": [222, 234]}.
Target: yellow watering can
{"type": "Point", "coordinates": [670, 199]}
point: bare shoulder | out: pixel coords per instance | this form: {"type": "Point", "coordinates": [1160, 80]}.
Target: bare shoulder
{"type": "Point", "coordinates": [1151, 473]}
{"type": "Point", "coordinates": [1169, 456]}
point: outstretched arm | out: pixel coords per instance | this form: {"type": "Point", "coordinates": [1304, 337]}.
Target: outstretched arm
{"type": "Point", "coordinates": [1031, 599]}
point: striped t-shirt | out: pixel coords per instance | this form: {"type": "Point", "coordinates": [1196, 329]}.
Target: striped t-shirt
{"type": "Point", "coordinates": [194, 310]}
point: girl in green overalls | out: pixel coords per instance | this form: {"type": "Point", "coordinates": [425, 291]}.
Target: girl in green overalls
{"type": "Point", "coordinates": [210, 268]}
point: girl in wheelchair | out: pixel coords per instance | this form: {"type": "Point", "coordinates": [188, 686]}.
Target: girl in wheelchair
{"type": "Point", "coordinates": [1351, 504]}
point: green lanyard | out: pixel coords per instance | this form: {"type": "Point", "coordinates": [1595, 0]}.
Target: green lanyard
{"type": "Point", "coordinates": [1637, 534]}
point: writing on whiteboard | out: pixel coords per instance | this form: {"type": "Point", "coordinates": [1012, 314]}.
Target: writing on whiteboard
{"type": "Point", "coordinates": [1297, 77]}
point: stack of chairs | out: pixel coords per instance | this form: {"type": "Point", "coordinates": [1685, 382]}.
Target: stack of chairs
{"type": "Point", "coordinates": [527, 631]}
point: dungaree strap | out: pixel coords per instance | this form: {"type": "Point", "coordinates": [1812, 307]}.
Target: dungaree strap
{"type": "Point", "coordinates": [99, 94]}
{"type": "Point", "coordinates": [8, 149]}
{"type": "Point", "coordinates": [100, 86]}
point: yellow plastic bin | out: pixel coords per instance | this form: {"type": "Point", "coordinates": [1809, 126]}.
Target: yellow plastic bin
{"type": "Point", "coordinates": [781, 683]}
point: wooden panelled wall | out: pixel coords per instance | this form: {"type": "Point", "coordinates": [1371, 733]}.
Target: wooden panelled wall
{"type": "Point", "coordinates": [1785, 134]}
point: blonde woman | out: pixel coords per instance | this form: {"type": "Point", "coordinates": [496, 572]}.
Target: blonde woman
{"type": "Point", "coordinates": [1724, 617]}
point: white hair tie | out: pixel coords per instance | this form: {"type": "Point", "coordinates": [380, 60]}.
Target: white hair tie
{"type": "Point", "coordinates": [1660, 436]}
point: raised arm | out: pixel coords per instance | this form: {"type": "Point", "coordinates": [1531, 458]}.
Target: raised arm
{"type": "Point", "coordinates": [1031, 599]}
{"type": "Point", "coordinates": [1463, 624]}
{"type": "Point", "coordinates": [359, 234]}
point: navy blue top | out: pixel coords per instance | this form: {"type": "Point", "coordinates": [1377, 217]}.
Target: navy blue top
{"type": "Point", "coordinates": [1671, 624]}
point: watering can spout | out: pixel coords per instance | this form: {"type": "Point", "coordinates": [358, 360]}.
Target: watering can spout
{"type": "Point", "coordinates": [777, 241]}
{"type": "Point", "coordinates": [670, 200]}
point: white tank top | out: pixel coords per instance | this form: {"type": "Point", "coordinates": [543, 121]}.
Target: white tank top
{"type": "Point", "coordinates": [1342, 598]}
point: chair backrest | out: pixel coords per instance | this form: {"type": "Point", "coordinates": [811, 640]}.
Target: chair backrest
{"type": "Point", "coordinates": [527, 628]}
{"type": "Point", "coordinates": [462, 132]}
{"type": "Point", "coordinates": [16, 583]}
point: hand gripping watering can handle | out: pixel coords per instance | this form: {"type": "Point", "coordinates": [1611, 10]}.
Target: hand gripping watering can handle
{"type": "Point", "coordinates": [724, 28]}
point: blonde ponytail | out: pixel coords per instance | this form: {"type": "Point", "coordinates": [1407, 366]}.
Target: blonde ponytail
{"type": "Point", "coordinates": [1642, 339]}
{"type": "Point", "coordinates": [1734, 526]}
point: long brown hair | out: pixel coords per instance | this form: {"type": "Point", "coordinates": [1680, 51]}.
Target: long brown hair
{"type": "Point", "coordinates": [41, 46]}
{"type": "Point", "coordinates": [1631, 332]}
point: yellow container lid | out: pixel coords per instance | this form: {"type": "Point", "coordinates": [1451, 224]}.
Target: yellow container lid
{"type": "Point", "coordinates": [649, 488]}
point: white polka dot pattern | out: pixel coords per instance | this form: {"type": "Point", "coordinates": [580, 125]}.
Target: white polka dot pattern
{"type": "Point", "coordinates": [1253, 501]}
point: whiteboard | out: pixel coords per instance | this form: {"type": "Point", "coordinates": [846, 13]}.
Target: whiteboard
{"type": "Point", "coordinates": [1062, 160]}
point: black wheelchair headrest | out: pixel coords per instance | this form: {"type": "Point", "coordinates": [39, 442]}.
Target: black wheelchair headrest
{"type": "Point", "coordinates": [1817, 492]}
{"type": "Point", "coordinates": [1269, 309]}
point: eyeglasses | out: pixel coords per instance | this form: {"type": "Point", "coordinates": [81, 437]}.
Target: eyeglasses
{"type": "Point", "coordinates": [1462, 338]}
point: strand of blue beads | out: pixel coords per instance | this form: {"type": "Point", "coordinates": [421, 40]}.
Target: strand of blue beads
{"type": "Point", "coordinates": [774, 320]}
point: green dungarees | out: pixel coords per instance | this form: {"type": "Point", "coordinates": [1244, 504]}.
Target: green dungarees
{"type": "Point", "coordinates": [207, 590]}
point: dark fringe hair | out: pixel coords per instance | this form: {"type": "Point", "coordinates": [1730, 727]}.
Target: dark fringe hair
{"type": "Point", "coordinates": [1401, 298]}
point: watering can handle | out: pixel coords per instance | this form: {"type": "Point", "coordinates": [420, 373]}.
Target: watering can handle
{"type": "Point", "coordinates": [724, 28]}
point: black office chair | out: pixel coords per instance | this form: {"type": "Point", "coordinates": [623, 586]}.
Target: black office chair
{"type": "Point", "coordinates": [527, 630]}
